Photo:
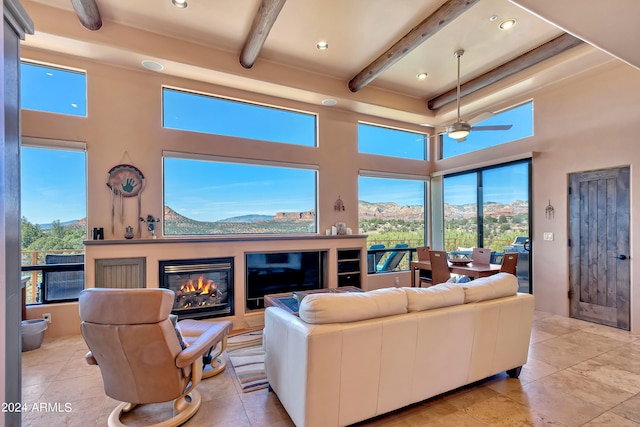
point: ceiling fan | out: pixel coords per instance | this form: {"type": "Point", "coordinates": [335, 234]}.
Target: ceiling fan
{"type": "Point", "coordinates": [461, 129]}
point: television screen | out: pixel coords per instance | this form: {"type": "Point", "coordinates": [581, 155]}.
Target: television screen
{"type": "Point", "coordinates": [274, 273]}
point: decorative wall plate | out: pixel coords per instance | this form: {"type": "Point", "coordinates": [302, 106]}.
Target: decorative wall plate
{"type": "Point", "coordinates": [125, 180]}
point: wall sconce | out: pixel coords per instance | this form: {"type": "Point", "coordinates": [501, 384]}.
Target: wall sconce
{"type": "Point", "coordinates": [339, 205]}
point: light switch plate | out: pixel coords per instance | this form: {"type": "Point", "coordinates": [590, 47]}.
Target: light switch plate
{"type": "Point", "coordinates": [547, 235]}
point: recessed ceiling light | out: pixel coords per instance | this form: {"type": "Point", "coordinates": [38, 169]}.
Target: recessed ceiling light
{"type": "Point", "coordinates": [329, 102]}
{"type": "Point", "coordinates": [182, 4]}
{"type": "Point", "coordinates": [507, 24]}
{"type": "Point", "coordinates": [322, 45]}
{"type": "Point", "coordinates": [422, 76]}
{"type": "Point", "coordinates": [152, 65]}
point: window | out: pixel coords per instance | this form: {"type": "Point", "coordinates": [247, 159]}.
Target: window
{"type": "Point", "coordinates": [489, 208]}
{"type": "Point", "coordinates": [53, 90]}
{"type": "Point", "coordinates": [392, 214]}
{"type": "Point", "coordinates": [54, 212]}
{"type": "Point", "coordinates": [520, 117]}
{"type": "Point", "coordinates": [391, 142]}
{"type": "Point", "coordinates": [208, 114]}
{"type": "Point", "coordinates": [204, 196]}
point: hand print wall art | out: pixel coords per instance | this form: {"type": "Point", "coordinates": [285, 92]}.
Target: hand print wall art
{"type": "Point", "coordinates": [124, 181]}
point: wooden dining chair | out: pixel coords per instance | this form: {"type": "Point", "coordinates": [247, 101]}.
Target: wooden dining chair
{"type": "Point", "coordinates": [509, 263]}
{"type": "Point", "coordinates": [423, 253]}
{"type": "Point", "coordinates": [481, 255]}
{"type": "Point", "coordinates": [440, 272]}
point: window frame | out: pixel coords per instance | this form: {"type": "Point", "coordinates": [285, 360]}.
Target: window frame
{"type": "Point", "coordinates": [237, 101]}
{"type": "Point", "coordinates": [60, 68]}
{"type": "Point", "coordinates": [243, 162]}
{"type": "Point", "coordinates": [425, 135]}
{"type": "Point", "coordinates": [426, 181]}
{"type": "Point", "coordinates": [33, 269]}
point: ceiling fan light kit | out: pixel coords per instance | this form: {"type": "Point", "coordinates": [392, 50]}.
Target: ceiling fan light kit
{"type": "Point", "coordinates": [458, 130]}
{"type": "Point", "coordinates": [181, 4]}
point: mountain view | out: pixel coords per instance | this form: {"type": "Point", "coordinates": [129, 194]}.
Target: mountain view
{"type": "Point", "coordinates": [384, 222]}
{"type": "Point", "coordinates": [281, 222]}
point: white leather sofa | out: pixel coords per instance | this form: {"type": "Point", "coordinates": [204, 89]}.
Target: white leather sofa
{"type": "Point", "coordinates": [353, 356]}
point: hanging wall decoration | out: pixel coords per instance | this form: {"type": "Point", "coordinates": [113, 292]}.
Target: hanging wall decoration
{"type": "Point", "coordinates": [124, 181]}
{"type": "Point", "coordinates": [549, 211]}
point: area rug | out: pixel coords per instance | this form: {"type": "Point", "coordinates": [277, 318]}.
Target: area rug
{"type": "Point", "coordinates": [247, 357]}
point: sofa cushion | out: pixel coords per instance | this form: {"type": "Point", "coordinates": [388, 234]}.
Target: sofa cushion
{"type": "Point", "coordinates": [492, 287]}
{"type": "Point", "coordinates": [442, 295]}
{"type": "Point", "coordinates": [352, 306]}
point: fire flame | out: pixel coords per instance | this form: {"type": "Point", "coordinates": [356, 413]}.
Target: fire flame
{"type": "Point", "coordinates": [199, 286]}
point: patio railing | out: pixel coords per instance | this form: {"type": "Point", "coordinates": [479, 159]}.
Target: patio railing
{"type": "Point", "coordinates": [33, 264]}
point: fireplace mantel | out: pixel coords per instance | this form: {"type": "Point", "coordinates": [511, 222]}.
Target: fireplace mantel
{"type": "Point", "coordinates": [222, 239]}
{"type": "Point", "coordinates": [153, 251]}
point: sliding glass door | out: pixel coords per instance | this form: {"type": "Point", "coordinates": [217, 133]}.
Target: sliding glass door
{"type": "Point", "coordinates": [489, 208]}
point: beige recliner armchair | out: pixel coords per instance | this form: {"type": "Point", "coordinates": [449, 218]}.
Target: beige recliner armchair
{"type": "Point", "coordinates": [135, 344]}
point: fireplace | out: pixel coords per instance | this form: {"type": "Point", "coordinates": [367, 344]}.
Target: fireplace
{"type": "Point", "coordinates": [203, 287]}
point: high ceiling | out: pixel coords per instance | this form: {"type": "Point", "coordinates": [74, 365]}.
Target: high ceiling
{"type": "Point", "coordinates": [357, 31]}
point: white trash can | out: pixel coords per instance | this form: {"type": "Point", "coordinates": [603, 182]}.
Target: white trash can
{"type": "Point", "coordinates": [32, 332]}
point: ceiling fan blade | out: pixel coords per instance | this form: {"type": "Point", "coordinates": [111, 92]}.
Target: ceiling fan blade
{"type": "Point", "coordinates": [494, 127]}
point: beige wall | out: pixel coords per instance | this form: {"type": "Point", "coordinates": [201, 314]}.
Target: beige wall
{"type": "Point", "coordinates": [580, 124]}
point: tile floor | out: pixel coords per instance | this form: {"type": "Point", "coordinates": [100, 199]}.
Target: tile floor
{"type": "Point", "coordinates": [578, 374]}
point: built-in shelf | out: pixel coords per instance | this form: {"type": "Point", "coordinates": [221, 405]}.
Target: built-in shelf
{"type": "Point", "coordinates": [349, 267]}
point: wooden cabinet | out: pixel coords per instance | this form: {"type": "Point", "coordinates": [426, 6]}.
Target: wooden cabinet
{"type": "Point", "coordinates": [349, 267]}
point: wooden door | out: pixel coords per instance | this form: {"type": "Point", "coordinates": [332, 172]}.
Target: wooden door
{"type": "Point", "coordinates": [599, 246]}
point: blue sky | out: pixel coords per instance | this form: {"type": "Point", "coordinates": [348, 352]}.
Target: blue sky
{"type": "Point", "coordinates": [53, 185]}
{"type": "Point", "coordinates": [209, 191]}
{"type": "Point", "coordinates": [501, 185]}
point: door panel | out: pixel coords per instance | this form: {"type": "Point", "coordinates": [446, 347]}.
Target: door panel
{"type": "Point", "coordinates": [599, 246]}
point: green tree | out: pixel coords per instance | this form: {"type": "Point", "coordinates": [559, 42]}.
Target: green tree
{"type": "Point", "coordinates": [57, 229]}
{"type": "Point", "coordinates": [30, 233]}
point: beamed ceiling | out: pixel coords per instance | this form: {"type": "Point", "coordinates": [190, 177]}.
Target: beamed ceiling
{"type": "Point", "coordinates": [376, 47]}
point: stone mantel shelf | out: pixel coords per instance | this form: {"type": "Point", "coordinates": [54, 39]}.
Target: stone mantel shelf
{"type": "Point", "coordinates": [243, 238]}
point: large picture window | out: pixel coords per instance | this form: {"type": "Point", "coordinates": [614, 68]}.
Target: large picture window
{"type": "Point", "coordinates": [489, 208]}
{"type": "Point", "coordinates": [204, 197]}
{"type": "Point", "coordinates": [53, 90]}
{"type": "Point", "coordinates": [385, 141]}
{"type": "Point", "coordinates": [208, 114]}
{"type": "Point", "coordinates": [54, 219]}
{"type": "Point", "coordinates": [392, 215]}
{"type": "Point", "coordinates": [520, 118]}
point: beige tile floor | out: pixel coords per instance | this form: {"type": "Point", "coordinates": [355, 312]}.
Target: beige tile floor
{"type": "Point", "coordinates": [578, 374]}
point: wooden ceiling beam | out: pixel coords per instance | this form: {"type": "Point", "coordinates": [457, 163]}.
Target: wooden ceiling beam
{"type": "Point", "coordinates": [263, 21]}
{"type": "Point", "coordinates": [541, 53]}
{"type": "Point", "coordinates": [424, 30]}
{"type": "Point", "coordinates": [88, 13]}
